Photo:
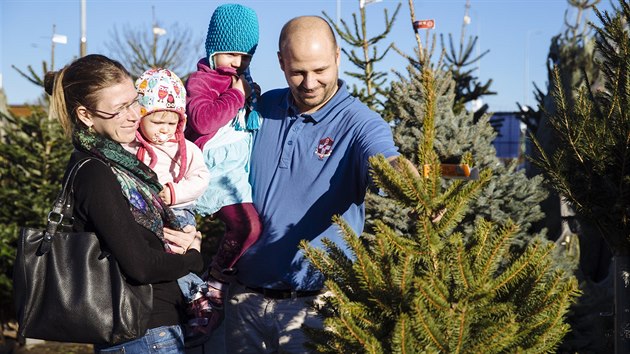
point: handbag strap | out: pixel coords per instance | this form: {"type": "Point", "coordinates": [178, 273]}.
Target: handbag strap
{"type": "Point", "coordinates": [63, 207]}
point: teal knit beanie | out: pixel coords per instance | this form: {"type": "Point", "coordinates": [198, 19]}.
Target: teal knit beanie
{"type": "Point", "coordinates": [233, 29]}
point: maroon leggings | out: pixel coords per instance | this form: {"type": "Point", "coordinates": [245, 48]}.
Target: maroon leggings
{"type": "Point", "coordinates": [242, 229]}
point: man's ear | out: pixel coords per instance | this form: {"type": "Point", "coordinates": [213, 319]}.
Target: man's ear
{"type": "Point", "coordinates": [84, 116]}
{"type": "Point", "coordinates": [280, 61]}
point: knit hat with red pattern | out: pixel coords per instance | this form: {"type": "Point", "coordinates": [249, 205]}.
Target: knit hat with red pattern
{"type": "Point", "coordinates": [161, 90]}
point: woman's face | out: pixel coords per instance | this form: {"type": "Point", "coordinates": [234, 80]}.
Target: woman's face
{"type": "Point", "coordinates": [116, 114]}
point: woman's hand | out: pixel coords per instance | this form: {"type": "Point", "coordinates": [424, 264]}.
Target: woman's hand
{"type": "Point", "coordinates": [182, 241]}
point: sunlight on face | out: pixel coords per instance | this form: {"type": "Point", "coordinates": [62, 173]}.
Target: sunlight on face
{"type": "Point", "coordinates": [311, 70]}
{"type": "Point", "coordinates": [159, 127]}
{"type": "Point", "coordinates": [239, 62]}
{"type": "Point", "coordinates": [117, 98]}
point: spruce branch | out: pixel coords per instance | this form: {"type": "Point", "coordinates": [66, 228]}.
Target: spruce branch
{"type": "Point", "coordinates": [432, 332]}
{"type": "Point", "coordinates": [403, 337]}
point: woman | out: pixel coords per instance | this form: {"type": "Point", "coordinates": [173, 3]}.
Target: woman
{"type": "Point", "coordinates": [95, 99]}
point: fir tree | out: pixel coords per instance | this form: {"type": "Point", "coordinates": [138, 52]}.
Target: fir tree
{"type": "Point", "coordinates": [438, 287]}
{"type": "Point", "coordinates": [373, 90]}
{"type": "Point", "coordinates": [590, 163]}
{"type": "Point", "coordinates": [32, 76]}
{"type": "Point", "coordinates": [33, 157]}
{"type": "Point", "coordinates": [510, 194]}
{"type": "Point", "coordinates": [458, 61]}
{"type": "Point", "coordinates": [572, 53]}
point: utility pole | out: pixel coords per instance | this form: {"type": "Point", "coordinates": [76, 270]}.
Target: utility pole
{"type": "Point", "coordinates": [83, 44]}
{"type": "Point", "coordinates": [155, 35]}
{"type": "Point", "coordinates": [52, 49]}
{"type": "Point", "coordinates": [56, 38]}
{"type": "Point", "coordinates": [157, 32]}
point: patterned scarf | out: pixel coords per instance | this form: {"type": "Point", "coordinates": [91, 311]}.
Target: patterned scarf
{"type": "Point", "coordinates": [138, 182]}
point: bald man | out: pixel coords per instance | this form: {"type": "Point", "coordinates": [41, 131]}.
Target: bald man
{"type": "Point", "coordinates": [309, 162]}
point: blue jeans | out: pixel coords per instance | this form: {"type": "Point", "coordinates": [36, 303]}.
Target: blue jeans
{"type": "Point", "coordinates": [189, 284]}
{"type": "Point", "coordinates": [162, 340]}
{"type": "Point", "coordinates": [185, 216]}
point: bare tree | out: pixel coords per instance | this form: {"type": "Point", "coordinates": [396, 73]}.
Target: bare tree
{"type": "Point", "coordinates": [139, 49]}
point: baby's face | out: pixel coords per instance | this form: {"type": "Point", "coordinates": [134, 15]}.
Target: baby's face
{"type": "Point", "coordinates": [240, 62]}
{"type": "Point", "coordinates": [159, 127]}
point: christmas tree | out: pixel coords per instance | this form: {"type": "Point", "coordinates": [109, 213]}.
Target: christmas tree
{"type": "Point", "coordinates": [459, 60]}
{"type": "Point", "coordinates": [438, 287]}
{"type": "Point", "coordinates": [373, 90]}
{"type": "Point", "coordinates": [572, 53]}
{"type": "Point", "coordinates": [33, 157]}
{"type": "Point", "coordinates": [590, 163]}
{"type": "Point", "coordinates": [509, 194]}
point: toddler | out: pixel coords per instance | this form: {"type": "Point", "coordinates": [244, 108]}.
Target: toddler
{"type": "Point", "coordinates": [222, 117]}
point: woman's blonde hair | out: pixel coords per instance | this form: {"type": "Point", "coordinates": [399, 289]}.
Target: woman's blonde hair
{"type": "Point", "coordinates": [78, 84]}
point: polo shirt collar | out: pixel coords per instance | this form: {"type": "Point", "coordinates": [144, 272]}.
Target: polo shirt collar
{"type": "Point", "coordinates": [339, 96]}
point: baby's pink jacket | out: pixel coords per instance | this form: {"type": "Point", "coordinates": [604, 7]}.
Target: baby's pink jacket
{"type": "Point", "coordinates": [195, 180]}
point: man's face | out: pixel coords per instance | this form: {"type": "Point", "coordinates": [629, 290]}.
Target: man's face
{"type": "Point", "coordinates": [311, 70]}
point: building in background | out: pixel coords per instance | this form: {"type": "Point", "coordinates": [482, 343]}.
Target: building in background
{"type": "Point", "coordinates": [511, 141]}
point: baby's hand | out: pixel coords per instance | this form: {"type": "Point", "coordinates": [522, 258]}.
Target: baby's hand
{"type": "Point", "coordinates": [165, 195]}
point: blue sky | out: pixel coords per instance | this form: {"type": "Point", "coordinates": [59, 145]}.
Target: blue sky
{"type": "Point", "coordinates": [517, 33]}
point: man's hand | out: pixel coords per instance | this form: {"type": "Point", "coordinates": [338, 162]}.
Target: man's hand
{"type": "Point", "coordinates": [400, 163]}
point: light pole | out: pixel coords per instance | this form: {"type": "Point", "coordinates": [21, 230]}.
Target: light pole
{"type": "Point", "coordinates": [157, 32]}
{"type": "Point", "coordinates": [83, 44]}
{"type": "Point", "coordinates": [56, 38]}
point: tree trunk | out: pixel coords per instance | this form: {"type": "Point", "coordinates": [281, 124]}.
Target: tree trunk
{"type": "Point", "coordinates": [622, 302]}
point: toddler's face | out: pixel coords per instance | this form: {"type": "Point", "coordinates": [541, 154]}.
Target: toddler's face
{"type": "Point", "coordinates": [159, 127]}
{"type": "Point", "coordinates": [238, 61]}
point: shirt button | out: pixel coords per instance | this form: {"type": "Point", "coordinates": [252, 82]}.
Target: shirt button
{"type": "Point", "coordinates": [290, 142]}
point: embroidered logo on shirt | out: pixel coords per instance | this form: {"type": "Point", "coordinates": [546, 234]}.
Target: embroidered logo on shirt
{"type": "Point", "coordinates": [324, 148]}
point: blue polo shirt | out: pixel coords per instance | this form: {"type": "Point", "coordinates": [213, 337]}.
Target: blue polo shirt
{"type": "Point", "coordinates": [305, 168]}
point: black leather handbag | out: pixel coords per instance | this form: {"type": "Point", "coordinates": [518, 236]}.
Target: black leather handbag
{"type": "Point", "coordinates": [67, 288]}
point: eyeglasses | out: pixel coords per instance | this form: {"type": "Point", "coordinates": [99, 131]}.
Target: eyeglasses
{"type": "Point", "coordinates": [124, 110]}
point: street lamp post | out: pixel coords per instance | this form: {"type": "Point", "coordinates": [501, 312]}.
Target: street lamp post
{"type": "Point", "coordinates": [83, 44]}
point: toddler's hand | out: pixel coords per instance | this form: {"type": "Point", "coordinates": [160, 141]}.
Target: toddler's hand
{"type": "Point", "coordinates": [165, 195]}
{"type": "Point", "coordinates": [239, 83]}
